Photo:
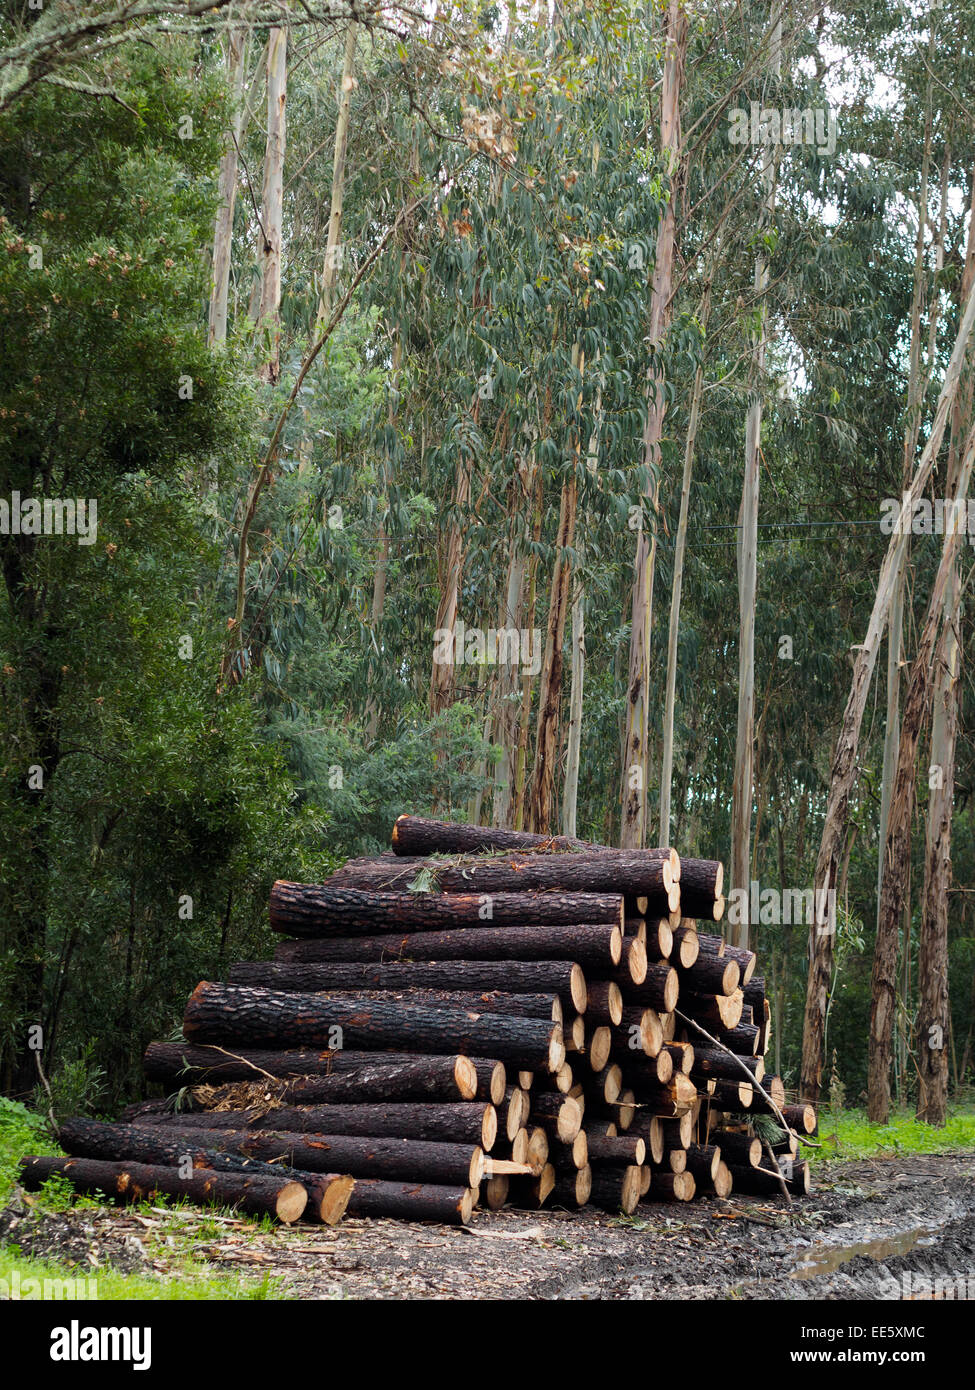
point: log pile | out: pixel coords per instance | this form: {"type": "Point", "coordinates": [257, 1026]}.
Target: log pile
{"type": "Point", "coordinates": [480, 1017]}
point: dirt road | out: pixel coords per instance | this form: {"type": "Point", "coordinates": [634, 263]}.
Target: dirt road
{"type": "Point", "coordinates": [877, 1229]}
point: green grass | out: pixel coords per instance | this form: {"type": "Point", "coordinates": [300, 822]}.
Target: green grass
{"type": "Point", "coordinates": [23, 1132]}
{"type": "Point", "coordinates": [858, 1137]}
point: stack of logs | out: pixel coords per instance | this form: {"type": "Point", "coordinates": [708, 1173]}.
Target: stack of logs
{"type": "Point", "coordinates": [480, 1016]}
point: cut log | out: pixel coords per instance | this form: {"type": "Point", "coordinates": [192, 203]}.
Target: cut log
{"type": "Point", "coordinates": [559, 1116]}
{"type": "Point", "coordinates": [774, 1088]}
{"type": "Point", "coordinates": [238, 1014]}
{"type": "Point", "coordinates": [743, 1039]}
{"type": "Point", "coordinates": [491, 1080]}
{"type": "Point", "coordinates": [538, 1148]}
{"type": "Point", "coordinates": [574, 1034]}
{"type": "Point", "coordinates": [658, 989]}
{"type": "Point", "coordinates": [739, 1150]}
{"type": "Point", "coordinates": [709, 1062]}
{"type": "Point", "coordinates": [514, 1110]}
{"type": "Point", "coordinates": [328, 1193]}
{"type": "Point", "coordinates": [675, 1160]}
{"type": "Point", "coordinates": [710, 975]}
{"type": "Point", "coordinates": [494, 1192]}
{"type": "Point", "coordinates": [605, 1004]}
{"type": "Point", "coordinates": [710, 945]}
{"type": "Point", "coordinates": [746, 962]}
{"type": "Point", "coordinates": [801, 1118]}
{"type": "Point", "coordinates": [533, 1192]}
{"type": "Point", "coordinates": [608, 1082]}
{"type": "Point", "coordinates": [723, 1182]}
{"type": "Point", "coordinates": [669, 1101]}
{"type": "Point", "coordinates": [572, 1189]}
{"type": "Point", "coordinates": [563, 1078]}
{"type": "Point", "coordinates": [630, 872]}
{"type": "Point", "coordinates": [672, 1187]}
{"type": "Point", "coordinates": [718, 1013]}
{"type": "Point", "coordinates": [341, 909]}
{"type": "Point", "coordinates": [359, 1156]}
{"type": "Point", "coordinates": [658, 939]}
{"type": "Point", "coordinates": [415, 835]}
{"type": "Point", "coordinates": [412, 1201]}
{"type": "Point", "coordinates": [701, 885]}
{"type": "Point", "coordinates": [430, 1078]}
{"type": "Point", "coordinates": [280, 1198]}
{"type": "Point", "coordinates": [547, 1006]}
{"type": "Point", "coordinates": [704, 1160]}
{"type": "Point", "coordinates": [564, 978]}
{"type": "Point", "coordinates": [764, 1182]}
{"type": "Point", "coordinates": [593, 945]}
{"type": "Point", "coordinates": [682, 1056]}
{"type": "Point", "coordinates": [600, 1046]}
{"type": "Point", "coordinates": [575, 1154]}
{"type": "Point", "coordinates": [678, 1134]}
{"type": "Point", "coordinates": [754, 993]}
{"type": "Point", "coordinates": [733, 1096]}
{"type": "Point", "coordinates": [686, 947]}
{"type": "Point", "coordinates": [614, 1190]}
{"type": "Point", "coordinates": [618, 1152]}
{"type": "Point", "coordinates": [187, 1063]}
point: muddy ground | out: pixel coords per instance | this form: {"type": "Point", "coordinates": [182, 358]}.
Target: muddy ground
{"type": "Point", "coordinates": [876, 1229]}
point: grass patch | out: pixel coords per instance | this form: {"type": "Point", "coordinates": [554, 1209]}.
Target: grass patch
{"type": "Point", "coordinates": [171, 1242]}
{"type": "Point", "coordinates": [858, 1137]}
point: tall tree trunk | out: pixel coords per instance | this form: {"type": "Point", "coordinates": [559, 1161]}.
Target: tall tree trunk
{"type": "Point", "coordinates": [673, 632]}
{"type": "Point", "coordinates": [895, 626]}
{"type": "Point", "coordinates": [333, 244]}
{"type": "Point", "coordinates": [442, 673]}
{"type": "Point", "coordinates": [550, 690]}
{"type": "Point", "coordinates": [506, 726]}
{"type": "Point", "coordinates": [238, 43]}
{"type": "Point", "coordinates": [633, 827]}
{"type": "Point", "coordinates": [843, 769]}
{"type": "Point", "coordinates": [570, 796]}
{"type": "Point", "coordinates": [897, 849]}
{"type": "Point", "coordinates": [272, 206]}
{"type": "Point", "coordinates": [743, 777]}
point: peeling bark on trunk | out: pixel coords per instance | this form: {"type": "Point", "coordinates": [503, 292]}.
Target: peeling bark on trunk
{"type": "Point", "coordinates": [237, 45]}
{"type": "Point", "coordinates": [633, 827]}
{"type": "Point", "coordinates": [272, 208]}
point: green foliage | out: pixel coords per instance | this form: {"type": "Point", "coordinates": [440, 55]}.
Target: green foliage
{"type": "Point", "coordinates": [856, 1137]}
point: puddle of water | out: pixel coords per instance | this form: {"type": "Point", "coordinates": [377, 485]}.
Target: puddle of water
{"type": "Point", "coordinates": [826, 1259]}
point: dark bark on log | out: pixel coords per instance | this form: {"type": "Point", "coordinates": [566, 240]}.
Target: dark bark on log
{"type": "Point", "coordinates": [613, 1190]}
{"type": "Point", "coordinates": [620, 1151]}
{"type": "Point", "coordinates": [757, 1180]}
{"type": "Point", "coordinates": [659, 989]}
{"type": "Point", "coordinates": [682, 1055]}
{"type": "Point", "coordinates": [236, 1014]}
{"type": "Point", "coordinates": [719, 1013]}
{"type": "Point", "coordinates": [135, 1182]}
{"type": "Point", "coordinates": [328, 1193]}
{"type": "Point", "coordinates": [672, 1187]}
{"type": "Point", "coordinates": [559, 1116]}
{"type": "Point", "coordinates": [375, 1079]}
{"type": "Point", "coordinates": [362, 1156]}
{"type": "Point", "coordinates": [491, 1080]}
{"type": "Point", "coordinates": [340, 909]}
{"type": "Point", "coordinates": [733, 1096]}
{"type": "Point", "coordinates": [607, 1082]}
{"type": "Point", "coordinates": [570, 1156]}
{"type": "Point", "coordinates": [701, 883]}
{"type": "Point", "coordinates": [801, 1118]}
{"type": "Point", "coordinates": [631, 872]}
{"type": "Point", "coordinates": [572, 1189]}
{"type": "Point", "coordinates": [546, 1006]}
{"type": "Point", "coordinates": [564, 978]}
{"type": "Point", "coordinates": [417, 836]}
{"type": "Point", "coordinates": [467, 1122]}
{"type": "Point", "coordinates": [686, 948]}
{"type": "Point", "coordinates": [659, 940]}
{"type": "Point", "coordinates": [711, 945]}
{"type": "Point", "coordinates": [746, 961]}
{"type": "Point", "coordinates": [592, 945]}
{"type": "Point", "coordinates": [739, 1150]}
{"type": "Point", "coordinates": [187, 1063]}
{"type": "Point", "coordinates": [677, 1134]}
{"type": "Point", "coordinates": [703, 1162]}
{"type": "Point", "coordinates": [710, 975]}
{"type": "Point", "coordinates": [708, 1062]}
{"type": "Point", "coordinates": [774, 1087]}
{"type": "Point", "coordinates": [754, 994]}
{"type": "Point", "coordinates": [744, 1039]}
{"type": "Point", "coordinates": [411, 1201]}
{"type": "Point", "coordinates": [605, 1003]}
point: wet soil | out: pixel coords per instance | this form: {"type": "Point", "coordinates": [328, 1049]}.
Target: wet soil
{"type": "Point", "coordinates": [887, 1229]}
